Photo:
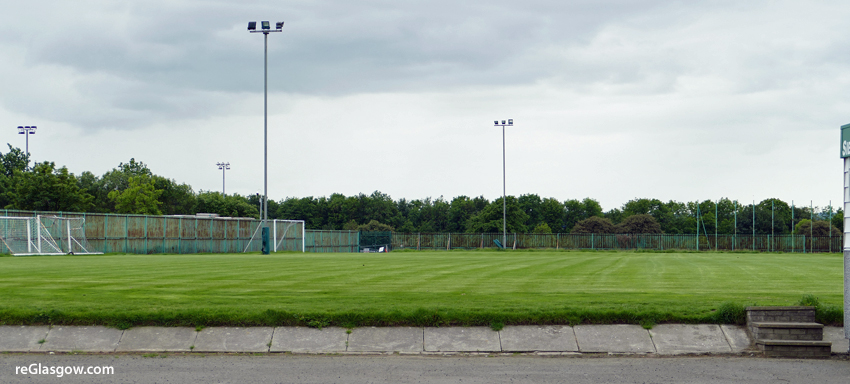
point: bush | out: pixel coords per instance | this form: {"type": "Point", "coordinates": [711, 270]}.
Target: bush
{"type": "Point", "coordinates": [731, 313]}
{"type": "Point", "coordinates": [542, 228]}
{"type": "Point", "coordinates": [375, 226]}
{"type": "Point", "coordinates": [824, 313]}
{"type": "Point", "coordinates": [821, 228]}
{"type": "Point", "coordinates": [594, 224]}
{"type": "Point", "coordinates": [642, 223]}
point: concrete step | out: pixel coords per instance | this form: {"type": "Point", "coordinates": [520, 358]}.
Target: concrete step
{"type": "Point", "coordinates": [787, 314]}
{"type": "Point", "coordinates": [795, 348]}
{"type": "Point", "coordinates": [786, 331]}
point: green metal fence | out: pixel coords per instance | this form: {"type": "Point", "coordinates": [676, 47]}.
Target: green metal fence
{"type": "Point", "coordinates": [762, 243]}
{"type": "Point", "coordinates": [112, 233]}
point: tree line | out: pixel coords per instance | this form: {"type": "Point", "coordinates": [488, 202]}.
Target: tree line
{"type": "Point", "coordinates": [132, 188]}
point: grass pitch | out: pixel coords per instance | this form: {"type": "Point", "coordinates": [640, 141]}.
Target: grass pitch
{"type": "Point", "coordinates": [410, 288]}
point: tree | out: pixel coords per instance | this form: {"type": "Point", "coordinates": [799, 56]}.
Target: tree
{"type": "Point", "coordinates": [175, 199]}
{"type": "Point", "coordinates": [542, 228]}
{"type": "Point", "coordinates": [490, 218]}
{"type": "Point", "coordinates": [291, 208]}
{"type": "Point", "coordinates": [461, 209]}
{"type": "Point", "coordinates": [575, 211]}
{"type": "Point", "coordinates": [643, 223]}
{"type": "Point", "coordinates": [14, 160]}
{"type": "Point", "coordinates": [140, 197]}
{"type": "Point", "coordinates": [531, 205]}
{"type": "Point", "coordinates": [46, 188]}
{"type": "Point", "coordinates": [552, 213]}
{"type": "Point", "coordinates": [375, 226]}
{"type": "Point", "coordinates": [821, 228]}
{"type": "Point", "coordinates": [234, 205]}
{"type": "Point", "coordinates": [594, 224]}
{"type": "Point", "coordinates": [838, 220]}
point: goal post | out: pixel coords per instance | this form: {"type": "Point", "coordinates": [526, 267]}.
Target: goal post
{"type": "Point", "coordinates": [289, 235]}
{"type": "Point", "coordinates": [16, 235]}
{"type": "Point", "coordinates": [44, 235]}
{"type": "Point", "coordinates": [286, 235]}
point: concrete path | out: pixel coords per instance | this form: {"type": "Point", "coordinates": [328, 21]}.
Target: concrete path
{"type": "Point", "coordinates": [663, 339]}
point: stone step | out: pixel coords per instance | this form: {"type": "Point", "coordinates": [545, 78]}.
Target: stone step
{"type": "Point", "coordinates": [786, 331]}
{"type": "Point", "coordinates": [794, 348]}
{"type": "Point", "coordinates": [788, 314]}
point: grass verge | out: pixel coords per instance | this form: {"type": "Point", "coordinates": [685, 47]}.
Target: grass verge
{"type": "Point", "coordinates": [412, 288]}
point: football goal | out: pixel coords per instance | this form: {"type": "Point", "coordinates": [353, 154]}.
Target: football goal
{"type": "Point", "coordinates": [44, 235]}
{"type": "Point", "coordinates": [284, 235]}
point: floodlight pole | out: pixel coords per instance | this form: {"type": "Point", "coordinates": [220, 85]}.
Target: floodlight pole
{"type": "Point", "coordinates": [223, 167]}
{"type": "Point", "coordinates": [845, 156]}
{"type": "Point", "coordinates": [265, 127]}
{"type": "Point", "coordinates": [504, 194]}
{"type": "Point", "coordinates": [265, 30]}
{"type": "Point", "coordinates": [27, 131]}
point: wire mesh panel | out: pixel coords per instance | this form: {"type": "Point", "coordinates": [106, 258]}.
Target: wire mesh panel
{"type": "Point", "coordinates": [332, 241]}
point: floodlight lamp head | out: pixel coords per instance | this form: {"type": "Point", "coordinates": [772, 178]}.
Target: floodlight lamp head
{"type": "Point", "coordinates": [496, 122]}
{"type": "Point", "coordinates": [503, 122]}
{"type": "Point", "coordinates": [266, 25]}
{"type": "Point", "coordinates": [279, 25]}
{"type": "Point", "coordinates": [252, 25]}
{"type": "Point", "coordinates": [510, 121]}
{"type": "Point", "coordinates": [20, 130]}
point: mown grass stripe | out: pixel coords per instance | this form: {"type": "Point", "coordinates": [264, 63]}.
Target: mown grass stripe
{"type": "Point", "coordinates": [412, 288]}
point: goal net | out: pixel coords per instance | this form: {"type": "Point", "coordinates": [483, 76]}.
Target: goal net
{"type": "Point", "coordinates": [44, 235]}
{"type": "Point", "coordinates": [284, 235]}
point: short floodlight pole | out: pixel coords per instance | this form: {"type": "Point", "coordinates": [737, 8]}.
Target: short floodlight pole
{"type": "Point", "coordinates": [510, 123]}
{"type": "Point", "coordinates": [265, 30]}
{"type": "Point", "coordinates": [223, 167]}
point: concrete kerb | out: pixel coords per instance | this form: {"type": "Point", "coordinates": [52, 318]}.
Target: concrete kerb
{"type": "Point", "coordinates": [677, 339]}
{"type": "Point", "coordinates": [234, 339]}
{"type": "Point", "coordinates": [738, 338]}
{"type": "Point", "coordinates": [835, 335]}
{"type": "Point", "coordinates": [462, 339]}
{"type": "Point", "coordinates": [618, 338]}
{"type": "Point", "coordinates": [386, 339]}
{"type": "Point", "coordinates": [612, 339]}
{"type": "Point", "coordinates": [14, 338]}
{"type": "Point", "coordinates": [533, 338]}
{"type": "Point", "coordinates": [157, 339]}
{"type": "Point", "coordinates": [309, 340]}
{"type": "Point", "coordinates": [63, 338]}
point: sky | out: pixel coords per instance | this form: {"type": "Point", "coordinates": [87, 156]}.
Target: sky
{"type": "Point", "coordinates": [612, 100]}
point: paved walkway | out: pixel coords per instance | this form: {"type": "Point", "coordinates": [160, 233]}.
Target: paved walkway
{"type": "Point", "coordinates": [663, 339]}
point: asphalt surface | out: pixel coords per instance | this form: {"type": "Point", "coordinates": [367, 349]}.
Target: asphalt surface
{"type": "Point", "coordinates": [286, 368]}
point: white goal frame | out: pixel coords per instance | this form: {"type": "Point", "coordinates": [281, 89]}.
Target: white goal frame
{"type": "Point", "coordinates": [285, 226]}
{"type": "Point", "coordinates": [46, 235]}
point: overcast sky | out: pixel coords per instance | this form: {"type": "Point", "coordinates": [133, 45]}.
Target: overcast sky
{"type": "Point", "coordinates": [613, 100]}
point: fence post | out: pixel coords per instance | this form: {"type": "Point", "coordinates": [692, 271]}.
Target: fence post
{"type": "Point", "coordinates": [105, 229]}
{"type": "Point", "coordinates": [179, 234]}
{"type": "Point", "coordinates": [164, 233]}
{"type": "Point", "coordinates": [146, 234]}
{"type": "Point", "coordinates": [126, 233]}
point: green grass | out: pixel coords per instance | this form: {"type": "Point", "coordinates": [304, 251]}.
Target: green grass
{"type": "Point", "coordinates": [410, 288]}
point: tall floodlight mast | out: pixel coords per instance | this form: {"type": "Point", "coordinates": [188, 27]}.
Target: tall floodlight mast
{"type": "Point", "coordinates": [510, 123]}
{"type": "Point", "coordinates": [265, 30]}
